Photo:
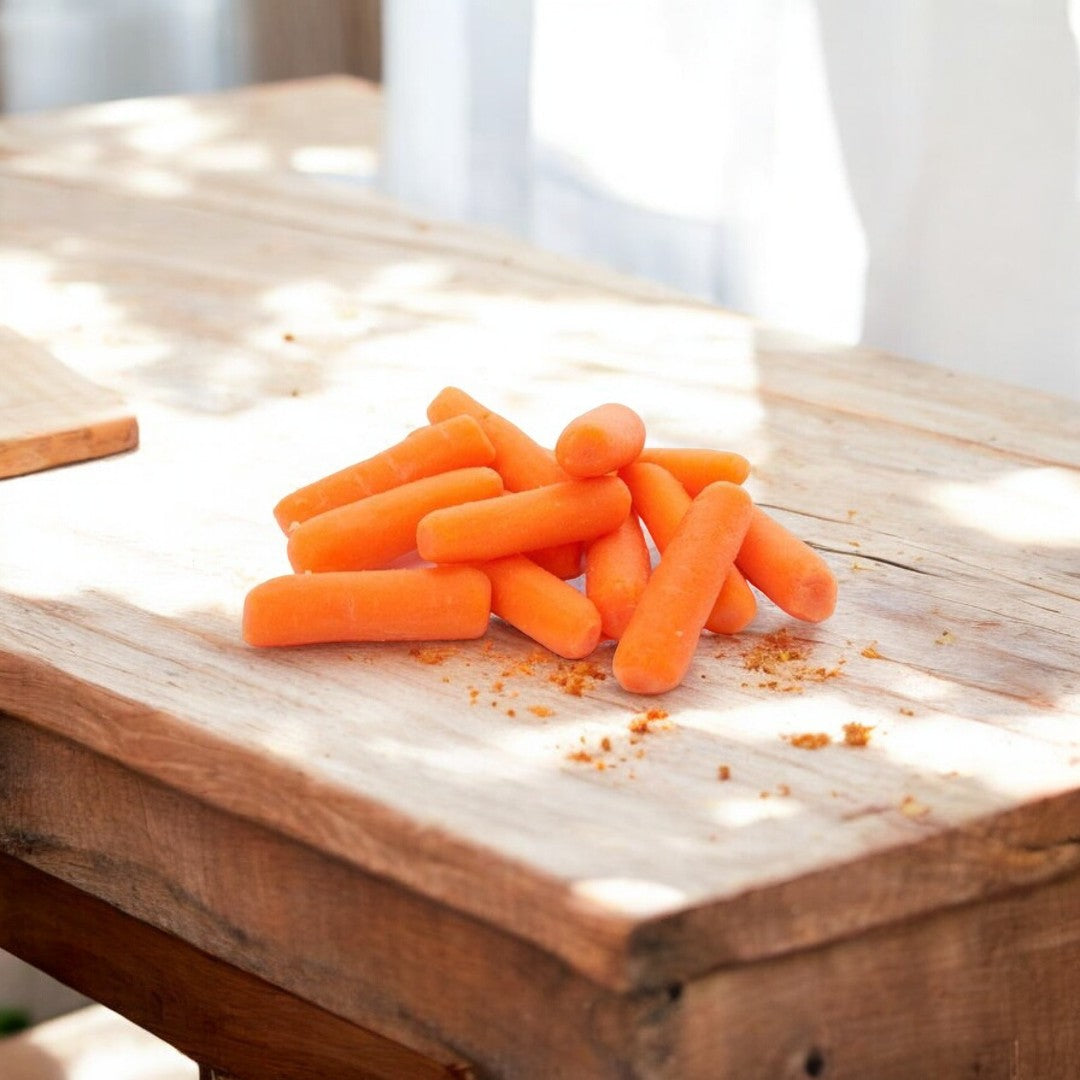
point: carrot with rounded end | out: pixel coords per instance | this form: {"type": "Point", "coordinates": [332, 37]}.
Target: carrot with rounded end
{"type": "Point", "coordinates": [735, 607]}
{"type": "Point", "coordinates": [543, 606]}
{"type": "Point", "coordinates": [617, 568]}
{"type": "Point", "coordinates": [522, 521]}
{"type": "Point", "coordinates": [455, 443]}
{"type": "Point", "coordinates": [662, 502]}
{"type": "Point", "coordinates": [600, 441]}
{"type": "Point", "coordinates": [372, 532]}
{"type": "Point", "coordinates": [440, 603]}
{"type": "Point", "coordinates": [521, 461]}
{"type": "Point", "coordinates": [786, 569]}
{"type": "Point", "coordinates": [695, 468]}
{"type": "Point", "coordinates": [658, 645]}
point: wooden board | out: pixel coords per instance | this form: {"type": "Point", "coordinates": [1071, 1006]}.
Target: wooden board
{"type": "Point", "coordinates": [271, 327]}
{"type": "Point", "coordinates": [50, 415]}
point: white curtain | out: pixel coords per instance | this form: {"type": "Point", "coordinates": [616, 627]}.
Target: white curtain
{"type": "Point", "coordinates": [898, 172]}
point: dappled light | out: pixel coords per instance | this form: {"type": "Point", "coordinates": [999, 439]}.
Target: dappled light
{"type": "Point", "coordinates": [270, 327]}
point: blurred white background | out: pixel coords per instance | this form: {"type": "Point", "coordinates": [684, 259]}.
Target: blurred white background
{"type": "Point", "coordinates": [902, 173]}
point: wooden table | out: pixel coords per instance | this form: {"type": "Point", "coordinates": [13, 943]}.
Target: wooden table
{"type": "Point", "coordinates": [384, 861]}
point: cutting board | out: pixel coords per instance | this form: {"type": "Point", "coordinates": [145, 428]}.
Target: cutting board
{"type": "Point", "coordinates": [50, 415]}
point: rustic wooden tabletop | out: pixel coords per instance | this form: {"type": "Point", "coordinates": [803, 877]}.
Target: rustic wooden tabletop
{"type": "Point", "coordinates": [491, 856]}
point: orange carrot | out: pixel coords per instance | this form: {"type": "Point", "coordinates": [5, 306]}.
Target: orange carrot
{"type": "Point", "coordinates": [694, 468]}
{"type": "Point", "coordinates": [662, 502]}
{"type": "Point", "coordinates": [617, 568]}
{"type": "Point", "coordinates": [562, 560]}
{"type": "Point", "coordinates": [521, 461]}
{"type": "Point", "coordinates": [735, 607]}
{"type": "Point", "coordinates": [787, 570]}
{"type": "Point", "coordinates": [601, 440]}
{"type": "Point", "coordinates": [658, 645]}
{"type": "Point", "coordinates": [429, 604]}
{"type": "Point", "coordinates": [524, 520]}
{"type": "Point", "coordinates": [372, 532]}
{"type": "Point", "coordinates": [543, 606]}
{"type": "Point", "coordinates": [456, 443]}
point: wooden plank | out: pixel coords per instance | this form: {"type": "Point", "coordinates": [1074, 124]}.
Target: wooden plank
{"type": "Point", "coordinates": [257, 311]}
{"type": "Point", "coordinates": [207, 1009]}
{"type": "Point", "coordinates": [389, 960]}
{"type": "Point", "coordinates": [984, 989]}
{"type": "Point", "coordinates": [50, 415]}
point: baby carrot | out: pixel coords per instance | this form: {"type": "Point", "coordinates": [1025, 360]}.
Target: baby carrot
{"type": "Point", "coordinates": [455, 443]}
{"type": "Point", "coordinates": [562, 560]}
{"type": "Point", "coordinates": [694, 468]}
{"type": "Point", "coordinates": [428, 604]}
{"type": "Point", "coordinates": [658, 645]}
{"type": "Point", "coordinates": [617, 568]}
{"type": "Point", "coordinates": [787, 570]}
{"type": "Point", "coordinates": [524, 520]}
{"type": "Point", "coordinates": [662, 502]}
{"type": "Point", "coordinates": [521, 461]}
{"type": "Point", "coordinates": [372, 532]}
{"type": "Point", "coordinates": [601, 440]}
{"type": "Point", "coordinates": [543, 606]}
{"type": "Point", "coordinates": [735, 607]}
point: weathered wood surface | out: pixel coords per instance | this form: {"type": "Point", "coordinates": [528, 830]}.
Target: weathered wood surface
{"type": "Point", "coordinates": [205, 1008]}
{"type": "Point", "coordinates": [50, 416]}
{"type": "Point", "coordinates": [270, 326]}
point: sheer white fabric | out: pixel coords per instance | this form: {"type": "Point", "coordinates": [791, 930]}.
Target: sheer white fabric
{"type": "Point", "coordinates": [898, 172]}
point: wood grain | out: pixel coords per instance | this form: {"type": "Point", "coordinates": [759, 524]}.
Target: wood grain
{"type": "Point", "coordinates": [50, 415]}
{"type": "Point", "coordinates": [208, 1010]}
{"type": "Point", "coordinates": [272, 325]}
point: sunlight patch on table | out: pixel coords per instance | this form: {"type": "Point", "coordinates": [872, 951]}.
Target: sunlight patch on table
{"type": "Point", "coordinates": [1021, 506]}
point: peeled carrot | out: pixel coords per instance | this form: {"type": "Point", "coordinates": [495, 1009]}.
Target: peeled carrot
{"type": "Point", "coordinates": [521, 461]}
{"type": "Point", "coordinates": [600, 441]}
{"type": "Point", "coordinates": [735, 607]}
{"type": "Point", "coordinates": [662, 503]}
{"type": "Point", "coordinates": [372, 532]}
{"type": "Point", "coordinates": [543, 606]}
{"type": "Point", "coordinates": [562, 513]}
{"type": "Point", "coordinates": [562, 560]}
{"type": "Point", "coordinates": [695, 468]}
{"type": "Point", "coordinates": [429, 604]}
{"type": "Point", "coordinates": [455, 443]}
{"type": "Point", "coordinates": [786, 569]}
{"type": "Point", "coordinates": [617, 568]}
{"type": "Point", "coordinates": [658, 645]}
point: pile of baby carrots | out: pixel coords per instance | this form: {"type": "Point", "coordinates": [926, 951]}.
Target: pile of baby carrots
{"type": "Point", "coordinates": [495, 523]}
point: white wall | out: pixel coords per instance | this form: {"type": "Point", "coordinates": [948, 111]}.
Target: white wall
{"type": "Point", "coordinates": [900, 172]}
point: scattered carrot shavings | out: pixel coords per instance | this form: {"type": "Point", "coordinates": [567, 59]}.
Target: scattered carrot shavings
{"type": "Point", "coordinates": [541, 710]}
{"type": "Point", "coordinates": [773, 650]}
{"type": "Point", "coordinates": [809, 740]}
{"type": "Point", "coordinates": [427, 654]}
{"type": "Point", "coordinates": [580, 755]}
{"type": "Point", "coordinates": [871, 653]}
{"type": "Point", "coordinates": [856, 734]}
{"type": "Point", "coordinates": [642, 724]}
{"type": "Point", "coordinates": [723, 772]}
{"type": "Point", "coordinates": [577, 677]}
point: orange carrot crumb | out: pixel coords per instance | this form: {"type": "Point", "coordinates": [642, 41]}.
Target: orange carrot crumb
{"type": "Point", "coordinates": [809, 740]}
{"type": "Point", "coordinates": [723, 772]}
{"type": "Point", "coordinates": [856, 734]}
{"type": "Point", "coordinates": [428, 654]}
{"type": "Point", "coordinates": [605, 744]}
{"type": "Point", "coordinates": [541, 710]}
{"type": "Point", "coordinates": [912, 808]}
{"type": "Point", "coordinates": [871, 653]}
{"type": "Point", "coordinates": [906, 712]}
